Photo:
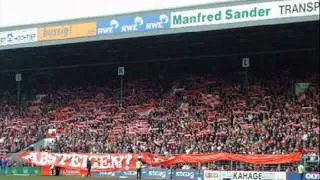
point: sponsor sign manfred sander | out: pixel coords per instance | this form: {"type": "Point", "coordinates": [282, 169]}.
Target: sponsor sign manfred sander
{"type": "Point", "coordinates": [245, 13]}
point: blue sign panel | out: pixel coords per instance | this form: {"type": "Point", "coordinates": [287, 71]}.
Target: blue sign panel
{"type": "Point", "coordinates": [187, 175]}
{"type": "Point", "coordinates": [128, 174]}
{"type": "Point", "coordinates": [155, 174]}
{"type": "Point", "coordinates": [103, 174]}
{"type": "Point", "coordinates": [307, 176]}
{"type": "Point", "coordinates": [133, 24]}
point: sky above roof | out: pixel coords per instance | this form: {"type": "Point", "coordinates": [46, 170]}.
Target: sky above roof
{"type": "Point", "coordinates": [18, 12]}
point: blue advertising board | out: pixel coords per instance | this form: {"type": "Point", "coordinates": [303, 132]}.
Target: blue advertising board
{"type": "Point", "coordinates": [187, 175]}
{"type": "Point", "coordinates": [307, 176]}
{"type": "Point", "coordinates": [155, 174]}
{"type": "Point", "coordinates": [128, 174]}
{"type": "Point", "coordinates": [133, 24]}
{"type": "Point", "coordinates": [103, 174]}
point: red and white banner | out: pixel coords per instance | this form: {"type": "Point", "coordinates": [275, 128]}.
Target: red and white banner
{"type": "Point", "coordinates": [125, 162]}
{"type": "Point", "coordinates": [145, 111]}
{"type": "Point", "coordinates": [105, 162]}
{"type": "Point", "coordinates": [53, 133]}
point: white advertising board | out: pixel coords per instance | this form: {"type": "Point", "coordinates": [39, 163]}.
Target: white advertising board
{"type": "Point", "coordinates": [18, 37]}
{"type": "Point", "coordinates": [18, 12]}
{"type": "Point", "coordinates": [245, 13]}
{"type": "Point", "coordinates": [244, 175]}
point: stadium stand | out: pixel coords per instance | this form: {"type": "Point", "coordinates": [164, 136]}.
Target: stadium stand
{"type": "Point", "coordinates": [167, 115]}
{"type": "Point", "coordinates": [198, 114]}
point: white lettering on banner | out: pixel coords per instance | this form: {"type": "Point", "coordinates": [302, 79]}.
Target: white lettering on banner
{"type": "Point", "coordinates": [252, 175]}
{"type": "Point", "coordinates": [18, 37]}
{"type": "Point", "coordinates": [245, 13]}
{"type": "Point", "coordinates": [313, 176]}
{"type": "Point", "coordinates": [79, 160]}
{"type": "Point", "coordinates": [64, 159]}
{"type": "Point", "coordinates": [76, 161]}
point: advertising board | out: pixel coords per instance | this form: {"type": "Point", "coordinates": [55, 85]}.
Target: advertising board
{"type": "Point", "coordinates": [68, 31]}
{"type": "Point", "coordinates": [187, 174]}
{"type": "Point", "coordinates": [103, 174]}
{"type": "Point", "coordinates": [156, 174]}
{"type": "Point", "coordinates": [141, 23]}
{"type": "Point", "coordinates": [245, 13]}
{"type": "Point", "coordinates": [211, 175]}
{"type": "Point", "coordinates": [306, 176]}
{"type": "Point", "coordinates": [243, 175]}
{"type": "Point", "coordinates": [18, 37]}
{"type": "Point", "coordinates": [127, 174]}
{"type": "Point", "coordinates": [24, 171]}
{"type": "Point", "coordinates": [69, 172]}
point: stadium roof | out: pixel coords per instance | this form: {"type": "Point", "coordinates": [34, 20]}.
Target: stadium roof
{"type": "Point", "coordinates": [201, 45]}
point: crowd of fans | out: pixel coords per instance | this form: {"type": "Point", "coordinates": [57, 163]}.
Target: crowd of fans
{"type": "Point", "coordinates": [196, 114]}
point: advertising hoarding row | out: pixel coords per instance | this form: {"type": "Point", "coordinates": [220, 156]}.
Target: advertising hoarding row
{"type": "Point", "coordinates": [179, 174]}
{"type": "Point", "coordinates": [133, 24]}
{"type": "Point", "coordinates": [166, 22]}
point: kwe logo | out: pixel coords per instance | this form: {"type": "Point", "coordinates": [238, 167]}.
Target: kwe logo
{"type": "Point", "coordinates": [108, 29]}
{"type": "Point", "coordinates": [163, 20]}
{"type": "Point", "coordinates": [138, 22]}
